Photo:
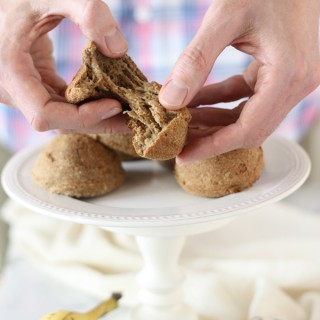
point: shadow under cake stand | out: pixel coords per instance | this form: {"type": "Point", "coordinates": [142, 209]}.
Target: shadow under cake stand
{"type": "Point", "coordinates": [152, 207]}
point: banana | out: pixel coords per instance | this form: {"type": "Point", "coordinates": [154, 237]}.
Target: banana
{"type": "Point", "coordinates": [94, 314]}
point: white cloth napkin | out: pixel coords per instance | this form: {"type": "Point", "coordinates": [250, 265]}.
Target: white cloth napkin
{"type": "Point", "coordinates": [264, 265]}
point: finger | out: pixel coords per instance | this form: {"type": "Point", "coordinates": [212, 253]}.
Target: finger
{"type": "Point", "coordinates": [207, 146]}
{"type": "Point", "coordinates": [44, 113]}
{"type": "Point", "coordinates": [218, 29]}
{"type": "Point", "coordinates": [261, 115]}
{"type": "Point", "coordinates": [250, 74]}
{"type": "Point", "coordinates": [93, 114]}
{"type": "Point", "coordinates": [5, 97]}
{"type": "Point", "coordinates": [56, 86]}
{"type": "Point", "coordinates": [42, 54]}
{"type": "Point", "coordinates": [88, 117]}
{"type": "Point", "coordinates": [210, 116]}
{"type": "Point", "coordinates": [96, 22]}
{"type": "Point", "coordinates": [194, 134]}
{"type": "Point", "coordinates": [38, 106]}
{"type": "Point", "coordinates": [231, 89]}
{"type": "Point", "coordinates": [116, 124]}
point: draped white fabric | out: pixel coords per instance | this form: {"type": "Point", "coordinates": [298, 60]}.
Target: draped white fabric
{"type": "Point", "coordinates": [264, 265]}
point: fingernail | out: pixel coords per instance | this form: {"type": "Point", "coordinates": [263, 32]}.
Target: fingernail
{"type": "Point", "coordinates": [180, 162]}
{"type": "Point", "coordinates": [174, 93]}
{"type": "Point", "coordinates": [115, 41]}
{"type": "Point", "coordinates": [111, 112]}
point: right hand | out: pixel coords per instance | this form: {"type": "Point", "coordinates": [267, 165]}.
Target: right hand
{"type": "Point", "coordinates": [282, 38]}
{"type": "Point", "coordinates": [28, 79]}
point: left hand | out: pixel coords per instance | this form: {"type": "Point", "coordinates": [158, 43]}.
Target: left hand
{"type": "Point", "coordinates": [28, 79]}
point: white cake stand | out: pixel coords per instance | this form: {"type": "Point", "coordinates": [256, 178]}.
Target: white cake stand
{"type": "Point", "coordinates": [152, 207]}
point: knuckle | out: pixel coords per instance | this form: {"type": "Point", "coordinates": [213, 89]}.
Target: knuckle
{"type": "Point", "coordinates": [83, 124]}
{"type": "Point", "coordinates": [258, 137]}
{"type": "Point", "coordinates": [88, 16]}
{"type": "Point", "coordinates": [257, 141]}
{"type": "Point", "coordinates": [195, 59]}
{"type": "Point", "coordinates": [305, 74]}
{"type": "Point", "coordinates": [90, 9]}
{"type": "Point", "coordinates": [314, 79]}
{"type": "Point", "coordinates": [300, 72]}
{"type": "Point", "coordinates": [254, 142]}
{"type": "Point", "coordinates": [95, 15]}
{"type": "Point", "coordinates": [85, 121]}
{"type": "Point", "coordinates": [4, 96]}
{"type": "Point", "coordinates": [108, 130]}
{"type": "Point", "coordinates": [213, 143]}
{"type": "Point", "coordinates": [252, 137]}
{"type": "Point", "coordinates": [39, 122]}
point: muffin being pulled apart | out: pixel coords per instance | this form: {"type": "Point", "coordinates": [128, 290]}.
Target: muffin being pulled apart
{"type": "Point", "coordinates": [159, 133]}
{"type": "Point", "coordinates": [76, 165]}
{"type": "Point", "coordinates": [227, 173]}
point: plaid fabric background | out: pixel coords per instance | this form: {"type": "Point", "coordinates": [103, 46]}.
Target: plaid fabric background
{"type": "Point", "coordinates": [157, 32]}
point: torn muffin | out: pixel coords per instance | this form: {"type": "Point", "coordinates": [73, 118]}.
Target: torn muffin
{"type": "Point", "coordinates": [159, 133]}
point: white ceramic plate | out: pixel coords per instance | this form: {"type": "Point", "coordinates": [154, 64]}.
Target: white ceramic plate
{"type": "Point", "coordinates": [150, 196]}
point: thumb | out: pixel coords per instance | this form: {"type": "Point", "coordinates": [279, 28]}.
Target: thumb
{"type": "Point", "coordinates": [96, 22]}
{"type": "Point", "coordinates": [218, 29]}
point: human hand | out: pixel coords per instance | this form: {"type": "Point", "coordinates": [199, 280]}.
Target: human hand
{"type": "Point", "coordinates": [282, 36]}
{"type": "Point", "coordinates": [28, 79]}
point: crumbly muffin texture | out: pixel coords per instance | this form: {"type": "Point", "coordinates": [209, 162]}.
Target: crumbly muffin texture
{"type": "Point", "coordinates": [159, 133]}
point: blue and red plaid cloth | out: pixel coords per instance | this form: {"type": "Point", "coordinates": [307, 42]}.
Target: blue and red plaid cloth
{"type": "Point", "coordinates": [157, 32]}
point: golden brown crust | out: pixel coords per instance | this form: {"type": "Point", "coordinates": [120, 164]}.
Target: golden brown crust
{"type": "Point", "coordinates": [169, 142]}
{"type": "Point", "coordinates": [159, 134]}
{"type": "Point", "coordinates": [77, 166]}
{"type": "Point", "coordinates": [228, 173]}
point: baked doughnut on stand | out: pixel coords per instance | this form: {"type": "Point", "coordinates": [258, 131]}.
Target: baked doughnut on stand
{"type": "Point", "coordinates": [153, 208]}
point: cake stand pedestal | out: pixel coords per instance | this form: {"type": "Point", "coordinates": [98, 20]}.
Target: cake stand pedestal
{"type": "Point", "coordinates": [152, 207]}
{"type": "Point", "coordinates": [161, 279]}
